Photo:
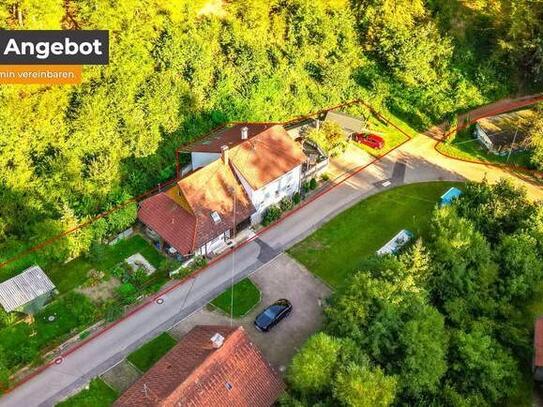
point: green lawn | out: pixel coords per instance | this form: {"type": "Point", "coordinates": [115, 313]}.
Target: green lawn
{"type": "Point", "coordinates": [465, 146]}
{"type": "Point", "coordinates": [335, 250]}
{"type": "Point", "coordinates": [98, 394]}
{"type": "Point", "coordinates": [74, 273]}
{"type": "Point", "coordinates": [151, 352]}
{"type": "Point", "coordinates": [392, 136]}
{"type": "Point", "coordinates": [246, 296]}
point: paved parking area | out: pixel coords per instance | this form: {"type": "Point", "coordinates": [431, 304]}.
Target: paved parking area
{"type": "Point", "coordinates": [283, 277]}
{"type": "Point", "coordinates": [353, 158]}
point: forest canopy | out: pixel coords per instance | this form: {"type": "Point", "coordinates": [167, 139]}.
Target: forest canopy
{"type": "Point", "coordinates": [178, 68]}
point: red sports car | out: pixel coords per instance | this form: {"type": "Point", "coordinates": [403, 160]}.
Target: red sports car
{"type": "Point", "coordinates": [371, 140]}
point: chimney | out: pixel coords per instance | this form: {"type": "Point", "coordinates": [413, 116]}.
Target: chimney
{"type": "Point", "coordinates": [217, 340]}
{"type": "Point", "coordinates": [244, 133]}
{"type": "Point", "coordinates": [224, 154]}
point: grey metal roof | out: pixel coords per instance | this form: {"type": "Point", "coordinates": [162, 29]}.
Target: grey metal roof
{"type": "Point", "coordinates": [349, 123]}
{"type": "Point", "coordinates": [25, 287]}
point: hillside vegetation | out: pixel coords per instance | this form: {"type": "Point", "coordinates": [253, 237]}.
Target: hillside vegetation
{"type": "Point", "coordinates": [178, 68]}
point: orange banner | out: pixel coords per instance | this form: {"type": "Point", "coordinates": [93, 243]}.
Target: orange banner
{"type": "Point", "coordinates": [40, 74]}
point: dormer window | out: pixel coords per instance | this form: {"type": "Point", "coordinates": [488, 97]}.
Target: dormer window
{"type": "Point", "coordinates": [215, 216]}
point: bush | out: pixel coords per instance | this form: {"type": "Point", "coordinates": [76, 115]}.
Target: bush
{"type": "Point", "coordinates": [325, 177]}
{"type": "Point", "coordinates": [313, 184]}
{"type": "Point", "coordinates": [272, 214]}
{"type": "Point", "coordinates": [286, 204]}
{"type": "Point", "coordinates": [166, 265]}
{"type": "Point", "coordinates": [138, 278]}
{"type": "Point", "coordinates": [296, 198]}
{"type": "Point", "coordinates": [127, 293]}
{"type": "Point", "coordinates": [305, 187]}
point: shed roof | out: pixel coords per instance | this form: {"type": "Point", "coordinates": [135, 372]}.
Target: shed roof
{"type": "Point", "coordinates": [504, 128]}
{"type": "Point", "coordinates": [349, 123]}
{"type": "Point", "coordinates": [23, 288]}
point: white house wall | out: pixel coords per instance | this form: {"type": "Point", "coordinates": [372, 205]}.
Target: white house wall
{"type": "Point", "coordinates": [202, 159]}
{"type": "Point", "coordinates": [270, 194]}
{"type": "Point", "coordinates": [214, 245]}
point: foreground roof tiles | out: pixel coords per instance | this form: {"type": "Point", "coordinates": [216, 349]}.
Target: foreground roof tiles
{"type": "Point", "coordinates": [194, 373]}
{"type": "Point", "coordinates": [24, 287]}
{"type": "Point", "coordinates": [267, 156]}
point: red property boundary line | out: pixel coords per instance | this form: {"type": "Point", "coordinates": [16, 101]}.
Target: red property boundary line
{"type": "Point", "coordinates": [169, 182]}
{"type": "Point", "coordinates": [153, 298]}
{"type": "Point", "coordinates": [468, 120]}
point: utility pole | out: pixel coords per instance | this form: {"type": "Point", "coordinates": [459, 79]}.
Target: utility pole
{"type": "Point", "coordinates": [512, 144]}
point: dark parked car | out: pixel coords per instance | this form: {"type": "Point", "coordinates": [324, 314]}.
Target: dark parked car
{"type": "Point", "coordinates": [272, 315]}
{"type": "Point", "coordinates": [372, 140]}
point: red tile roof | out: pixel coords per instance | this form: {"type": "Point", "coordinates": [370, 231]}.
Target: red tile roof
{"type": "Point", "coordinates": [538, 342]}
{"type": "Point", "coordinates": [212, 189]}
{"type": "Point", "coordinates": [227, 136]}
{"type": "Point", "coordinates": [170, 220]}
{"type": "Point", "coordinates": [194, 373]}
{"type": "Point", "coordinates": [182, 216]}
{"type": "Point", "coordinates": [267, 156]}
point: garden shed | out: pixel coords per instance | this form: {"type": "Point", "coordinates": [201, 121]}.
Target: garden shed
{"type": "Point", "coordinates": [349, 124]}
{"type": "Point", "coordinates": [506, 132]}
{"type": "Point", "coordinates": [26, 292]}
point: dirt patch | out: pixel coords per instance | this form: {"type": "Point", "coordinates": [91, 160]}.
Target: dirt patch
{"type": "Point", "coordinates": [120, 377]}
{"type": "Point", "coordinates": [102, 291]}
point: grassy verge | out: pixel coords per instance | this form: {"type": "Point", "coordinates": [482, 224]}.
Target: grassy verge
{"type": "Point", "coordinates": [335, 250]}
{"type": "Point", "coordinates": [98, 394]}
{"type": "Point", "coordinates": [467, 147]}
{"type": "Point", "coordinates": [246, 296]}
{"type": "Point", "coordinates": [151, 352]}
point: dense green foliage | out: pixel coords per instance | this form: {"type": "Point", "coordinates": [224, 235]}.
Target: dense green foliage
{"type": "Point", "coordinates": [21, 343]}
{"type": "Point", "coordinates": [147, 355]}
{"type": "Point", "coordinates": [180, 67]}
{"type": "Point", "coordinates": [330, 137]}
{"type": "Point", "coordinates": [447, 322]}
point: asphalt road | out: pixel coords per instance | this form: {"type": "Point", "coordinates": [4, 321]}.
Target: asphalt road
{"type": "Point", "coordinates": [415, 161]}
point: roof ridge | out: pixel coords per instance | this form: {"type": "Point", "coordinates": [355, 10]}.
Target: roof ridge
{"type": "Point", "coordinates": [209, 357]}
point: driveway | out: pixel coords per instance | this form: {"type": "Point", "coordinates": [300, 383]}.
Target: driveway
{"type": "Point", "coordinates": [282, 277]}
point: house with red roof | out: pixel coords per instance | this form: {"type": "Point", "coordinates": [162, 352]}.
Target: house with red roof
{"type": "Point", "coordinates": [212, 366]}
{"type": "Point", "coordinates": [236, 174]}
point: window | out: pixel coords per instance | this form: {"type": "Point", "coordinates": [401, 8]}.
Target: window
{"type": "Point", "coordinates": [215, 216]}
